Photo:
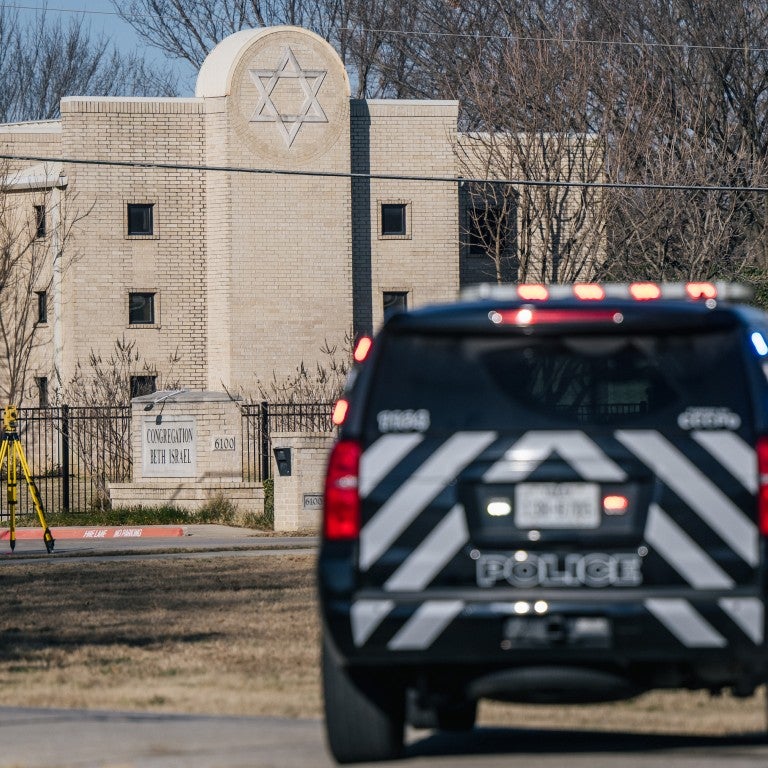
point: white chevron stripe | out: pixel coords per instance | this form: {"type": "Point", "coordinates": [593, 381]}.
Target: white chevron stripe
{"type": "Point", "coordinates": [685, 623]}
{"type": "Point", "coordinates": [421, 488]}
{"type": "Point", "coordinates": [432, 555]}
{"type": "Point", "coordinates": [747, 612]}
{"type": "Point", "coordinates": [382, 457]}
{"type": "Point", "coordinates": [673, 544]}
{"type": "Point", "coordinates": [366, 615]}
{"type": "Point", "coordinates": [583, 454]}
{"type": "Point", "coordinates": [426, 625]}
{"type": "Point", "coordinates": [698, 492]}
{"type": "Point", "coordinates": [733, 453]}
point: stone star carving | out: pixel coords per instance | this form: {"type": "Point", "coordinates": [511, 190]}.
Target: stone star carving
{"type": "Point", "coordinates": [309, 80]}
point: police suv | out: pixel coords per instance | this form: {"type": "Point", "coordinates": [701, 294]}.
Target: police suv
{"type": "Point", "coordinates": [545, 494]}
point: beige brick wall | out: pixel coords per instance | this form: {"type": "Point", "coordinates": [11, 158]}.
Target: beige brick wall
{"type": "Point", "coordinates": [36, 139]}
{"type": "Point", "coordinates": [280, 268]}
{"type": "Point", "coordinates": [295, 496]}
{"type": "Point", "coordinates": [110, 264]}
{"type": "Point", "coordinates": [412, 139]}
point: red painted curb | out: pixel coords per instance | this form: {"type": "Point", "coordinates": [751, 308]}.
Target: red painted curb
{"type": "Point", "coordinates": [111, 532]}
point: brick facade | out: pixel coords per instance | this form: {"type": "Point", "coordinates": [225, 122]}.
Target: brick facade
{"type": "Point", "coordinates": [251, 272]}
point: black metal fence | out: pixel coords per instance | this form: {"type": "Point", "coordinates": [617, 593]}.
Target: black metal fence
{"type": "Point", "coordinates": [260, 420]}
{"type": "Point", "coordinates": [74, 453]}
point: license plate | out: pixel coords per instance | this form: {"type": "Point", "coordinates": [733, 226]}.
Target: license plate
{"type": "Point", "coordinates": [557, 505]}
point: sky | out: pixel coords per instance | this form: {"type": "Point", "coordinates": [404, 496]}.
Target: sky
{"type": "Point", "coordinates": [101, 17]}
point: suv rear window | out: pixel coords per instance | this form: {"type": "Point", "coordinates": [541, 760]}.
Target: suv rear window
{"type": "Point", "coordinates": [526, 382]}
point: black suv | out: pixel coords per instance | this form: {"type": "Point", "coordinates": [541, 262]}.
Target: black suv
{"type": "Point", "coordinates": [545, 494]}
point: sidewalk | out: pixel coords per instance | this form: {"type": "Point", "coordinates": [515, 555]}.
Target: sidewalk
{"type": "Point", "coordinates": [94, 532]}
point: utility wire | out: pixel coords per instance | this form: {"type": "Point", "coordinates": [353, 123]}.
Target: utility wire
{"type": "Point", "coordinates": [468, 35]}
{"type": "Point", "coordinates": [142, 164]}
{"type": "Point", "coordinates": [559, 40]}
{"type": "Point", "coordinates": [46, 9]}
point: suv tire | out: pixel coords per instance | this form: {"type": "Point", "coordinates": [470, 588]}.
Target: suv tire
{"type": "Point", "coordinates": [364, 716]}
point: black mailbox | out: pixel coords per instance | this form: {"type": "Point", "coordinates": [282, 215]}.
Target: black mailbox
{"type": "Point", "coordinates": [283, 459]}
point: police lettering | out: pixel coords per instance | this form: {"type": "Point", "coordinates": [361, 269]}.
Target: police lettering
{"type": "Point", "coordinates": [595, 570]}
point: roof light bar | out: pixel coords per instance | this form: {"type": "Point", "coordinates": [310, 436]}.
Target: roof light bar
{"type": "Point", "coordinates": [645, 291]}
{"type": "Point", "coordinates": [701, 290]}
{"type": "Point", "coordinates": [533, 292]}
{"type": "Point", "coordinates": [588, 291]}
{"type": "Point", "coordinates": [638, 291]}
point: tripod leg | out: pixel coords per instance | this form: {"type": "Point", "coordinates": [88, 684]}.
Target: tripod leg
{"type": "Point", "coordinates": [12, 495]}
{"type": "Point", "coordinates": [47, 536]}
{"type": "Point", "coordinates": [3, 456]}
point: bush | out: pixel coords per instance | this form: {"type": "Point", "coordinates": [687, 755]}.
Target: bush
{"type": "Point", "coordinates": [265, 521]}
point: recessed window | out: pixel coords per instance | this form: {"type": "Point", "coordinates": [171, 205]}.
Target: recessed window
{"type": "Point", "coordinates": [487, 231]}
{"type": "Point", "coordinates": [42, 391]}
{"type": "Point", "coordinates": [40, 223]}
{"type": "Point", "coordinates": [140, 219]}
{"type": "Point", "coordinates": [143, 385]}
{"type": "Point", "coordinates": [394, 302]}
{"type": "Point", "coordinates": [394, 219]}
{"type": "Point", "coordinates": [141, 308]}
{"type": "Point", "coordinates": [42, 306]}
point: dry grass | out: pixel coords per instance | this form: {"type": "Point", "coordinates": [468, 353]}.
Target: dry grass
{"type": "Point", "coordinates": [233, 635]}
{"type": "Point", "coordinates": [226, 635]}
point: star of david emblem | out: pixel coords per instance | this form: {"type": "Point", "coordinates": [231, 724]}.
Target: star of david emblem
{"type": "Point", "coordinates": [309, 80]}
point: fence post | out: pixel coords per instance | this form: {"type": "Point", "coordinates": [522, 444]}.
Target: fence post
{"type": "Point", "coordinates": [65, 457]}
{"type": "Point", "coordinates": [265, 458]}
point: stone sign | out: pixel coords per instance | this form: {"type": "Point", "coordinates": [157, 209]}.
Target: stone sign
{"type": "Point", "coordinates": [169, 449]}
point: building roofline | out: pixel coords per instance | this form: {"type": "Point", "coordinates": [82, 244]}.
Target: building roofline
{"type": "Point", "coordinates": [414, 102]}
{"type": "Point", "coordinates": [133, 99]}
{"type": "Point", "coordinates": [32, 126]}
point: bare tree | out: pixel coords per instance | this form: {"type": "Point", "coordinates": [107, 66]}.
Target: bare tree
{"type": "Point", "coordinates": [42, 61]}
{"type": "Point", "coordinates": [529, 106]}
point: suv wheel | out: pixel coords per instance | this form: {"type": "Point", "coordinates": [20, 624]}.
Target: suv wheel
{"type": "Point", "coordinates": [364, 716]}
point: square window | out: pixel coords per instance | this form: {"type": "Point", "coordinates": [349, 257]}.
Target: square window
{"type": "Point", "coordinates": [141, 308]}
{"type": "Point", "coordinates": [40, 228]}
{"type": "Point", "coordinates": [394, 302]}
{"type": "Point", "coordinates": [140, 219]}
{"type": "Point", "coordinates": [143, 385]}
{"type": "Point", "coordinates": [42, 306]}
{"type": "Point", "coordinates": [393, 219]}
{"type": "Point", "coordinates": [42, 391]}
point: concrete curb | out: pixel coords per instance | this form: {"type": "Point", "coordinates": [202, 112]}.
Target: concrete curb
{"type": "Point", "coordinates": [92, 532]}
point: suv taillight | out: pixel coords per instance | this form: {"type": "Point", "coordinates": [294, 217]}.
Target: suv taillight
{"type": "Point", "coordinates": [762, 475]}
{"type": "Point", "coordinates": [341, 517]}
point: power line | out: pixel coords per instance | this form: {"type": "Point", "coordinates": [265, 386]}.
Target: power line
{"type": "Point", "coordinates": [46, 9]}
{"type": "Point", "coordinates": [466, 35]}
{"type": "Point", "coordinates": [559, 40]}
{"type": "Point", "coordinates": [389, 176]}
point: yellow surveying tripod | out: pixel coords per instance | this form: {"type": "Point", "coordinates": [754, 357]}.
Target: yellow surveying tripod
{"type": "Point", "coordinates": [12, 450]}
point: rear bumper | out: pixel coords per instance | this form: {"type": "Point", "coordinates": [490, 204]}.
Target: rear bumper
{"type": "Point", "coordinates": [690, 639]}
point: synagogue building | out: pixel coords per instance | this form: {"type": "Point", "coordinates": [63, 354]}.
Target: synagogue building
{"type": "Point", "coordinates": [239, 231]}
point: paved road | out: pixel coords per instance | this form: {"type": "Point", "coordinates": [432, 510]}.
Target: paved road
{"type": "Point", "coordinates": [78, 739]}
